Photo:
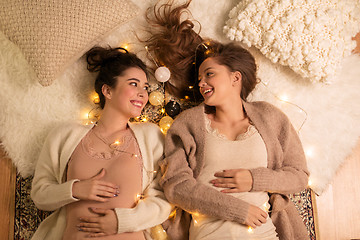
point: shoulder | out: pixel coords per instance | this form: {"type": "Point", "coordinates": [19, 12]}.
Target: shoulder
{"type": "Point", "coordinates": [144, 127]}
{"type": "Point", "coordinates": [265, 109]}
{"type": "Point", "coordinates": [147, 131]}
{"type": "Point", "coordinates": [68, 128]}
{"type": "Point", "coordinates": [190, 116]}
{"type": "Point", "coordinates": [191, 112]}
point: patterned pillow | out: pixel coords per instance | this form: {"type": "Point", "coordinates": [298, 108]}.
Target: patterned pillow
{"type": "Point", "coordinates": [52, 34]}
{"type": "Point", "coordinates": [310, 36]}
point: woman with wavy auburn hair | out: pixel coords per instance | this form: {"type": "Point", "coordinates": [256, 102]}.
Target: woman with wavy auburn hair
{"type": "Point", "coordinates": [229, 163]}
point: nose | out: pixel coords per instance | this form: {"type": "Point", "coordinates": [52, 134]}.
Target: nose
{"type": "Point", "coordinates": [202, 83]}
{"type": "Point", "coordinates": [142, 92]}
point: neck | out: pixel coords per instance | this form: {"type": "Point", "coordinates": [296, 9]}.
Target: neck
{"type": "Point", "coordinates": [230, 112]}
{"type": "Point", "coordinates": [112, 121]}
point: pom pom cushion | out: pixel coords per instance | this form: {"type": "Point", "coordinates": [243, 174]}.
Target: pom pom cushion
{"type": "Point", "coordinates": [52, 34]}
{"type": "Point", "coordinates": [311, 36]}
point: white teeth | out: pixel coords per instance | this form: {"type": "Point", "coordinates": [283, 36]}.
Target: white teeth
{"type": "Point", "coordinates": [137, 104]}
{"type": "Point", "coordinates": [206, 91]}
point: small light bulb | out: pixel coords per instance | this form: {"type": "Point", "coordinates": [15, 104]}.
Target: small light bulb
{"type": "Point", "coordinates": [96, 100]}
{"type": "Point", "coordinates": [309, 152]}
{"type": "Point", "coordinates": [309, 182]}
{"type": "Point", "coordinates": [284, 98]}
{"type": "Point", "coordinates": [250, 229]}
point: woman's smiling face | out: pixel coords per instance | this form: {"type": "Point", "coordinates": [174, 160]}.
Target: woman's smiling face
{"type": "Point", "coordinates": [215, 82]}
{"type": "Point", "coordinates": [130, 94]}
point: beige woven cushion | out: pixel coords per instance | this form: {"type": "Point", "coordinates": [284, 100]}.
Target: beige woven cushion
{"type": "Point", "coordinates": [52, 34]}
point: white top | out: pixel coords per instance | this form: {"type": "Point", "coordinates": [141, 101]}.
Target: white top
{"type": "Point", "coordinates": [247, 151]}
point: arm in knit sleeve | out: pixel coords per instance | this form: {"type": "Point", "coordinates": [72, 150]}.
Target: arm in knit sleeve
{"type": "Point", "coordinates": [47, 191]}
{"type": "Point", "coordinates": [290, 173]}
{"type": "Point", "coordinates": [180, 186]}
{"type": "Point", "coordinates": [153, 209]}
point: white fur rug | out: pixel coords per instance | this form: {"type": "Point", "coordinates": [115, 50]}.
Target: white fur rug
{"type": "Point", "coordinates": [28, 110]}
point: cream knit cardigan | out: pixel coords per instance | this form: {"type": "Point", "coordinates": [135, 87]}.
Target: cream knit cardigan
{"type": "Point", "coordinates": [184, 160]}
{"type": "Point", "coordinates": [49, 192]}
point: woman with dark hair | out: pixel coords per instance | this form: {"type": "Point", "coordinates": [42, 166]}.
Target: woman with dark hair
{"type": "Point", "coordinates": [101, 179]}
{"type": "Point", "coordinates": [227, 161]}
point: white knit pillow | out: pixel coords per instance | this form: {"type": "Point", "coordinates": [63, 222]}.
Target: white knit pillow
{"type": "Point", "coordinates": [52, 34]}
{"type": "Point", "coordinates": [309, 36]}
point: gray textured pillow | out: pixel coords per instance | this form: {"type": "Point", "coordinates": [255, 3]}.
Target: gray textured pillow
{"type": "Point", "coordinates": [52, 34]}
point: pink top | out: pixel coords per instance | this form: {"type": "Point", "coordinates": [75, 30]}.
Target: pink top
{"type": "Point", "coordinates": [123, 165]}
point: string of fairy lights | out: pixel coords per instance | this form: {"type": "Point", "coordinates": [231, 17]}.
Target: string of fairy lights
{"type": "Point", "coordinates": [168, 110]}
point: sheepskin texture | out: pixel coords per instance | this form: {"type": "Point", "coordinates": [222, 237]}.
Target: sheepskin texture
{"type": "Point", "coordinates": [329, 131]}
{"type": "Point", "coordinates": [53, 34]}
{"type": "Point", "coordinates": [311, 37]}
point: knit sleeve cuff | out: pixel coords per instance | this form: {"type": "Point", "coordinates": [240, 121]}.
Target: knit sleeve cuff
{"type": "Point", "coordinates": [261, 179]}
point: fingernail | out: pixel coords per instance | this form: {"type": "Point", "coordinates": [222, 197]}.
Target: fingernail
{"type": "Point", "coordinates": [79, 229]}
{"type": "Point", "coordinates": [115, 195]}
{"type": "Point", "coordinates": [117, 191]}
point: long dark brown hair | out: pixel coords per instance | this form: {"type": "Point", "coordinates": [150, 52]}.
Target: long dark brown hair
{"type": "Point", "coordinates": [176, 45]}
{"type": "Point", "coordinates": [110, 63]}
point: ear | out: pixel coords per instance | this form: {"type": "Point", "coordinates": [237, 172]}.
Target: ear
{"type": "Point", "coordinates": [236, 78]}
{"type": "Point", "coordinates": [106, 90]}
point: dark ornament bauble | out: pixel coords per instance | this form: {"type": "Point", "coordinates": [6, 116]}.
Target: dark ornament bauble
{"type": "Point", "coordinates": [172, 108]}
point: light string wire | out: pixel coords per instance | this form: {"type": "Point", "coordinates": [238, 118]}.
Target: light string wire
{"type": "Point", "coordinates": [288, 102]}
{"type": "Point", "coordinates": [157, 65]}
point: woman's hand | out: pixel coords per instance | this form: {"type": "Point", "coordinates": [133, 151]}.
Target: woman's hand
{"type": "Point", "coordinates": [235, 180]}
{"type": "Point", "coordinates": [103, 225]}
{"type": "Point", "coordinates": [95, 189]}
{"type": "Point", "coordinates": [255, 217]}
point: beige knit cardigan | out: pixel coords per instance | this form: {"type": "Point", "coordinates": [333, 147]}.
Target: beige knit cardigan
{"type": "Point", "coordinates": [184, 160]}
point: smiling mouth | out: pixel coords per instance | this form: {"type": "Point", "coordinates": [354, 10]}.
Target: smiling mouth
{"type": "Point", "coordinates": [137, 103]}
{"type": "Point", "coordinates": [207, 91]}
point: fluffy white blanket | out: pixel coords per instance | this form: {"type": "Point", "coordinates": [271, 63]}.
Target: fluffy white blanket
{"type": "Point", "coordinates": [330, 131]}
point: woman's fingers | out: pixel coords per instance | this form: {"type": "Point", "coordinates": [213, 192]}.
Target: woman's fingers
{"type": "Point", "coordinates": [100, 210]}
{"type": "Point", "coordinates": [89, 220]}
{"type": "Point", "coordinates": [96, 235]}
{"type": "Point", "coordinates": [89, 229]}
{"type": "Point", "coordinates": [107, 191]}
{"type": "Point", "coordinates": [256, 217]}
{"type": "Point", "coordinates": [238, 179]}
{"type": "Point", "coordinates": [226, 173]}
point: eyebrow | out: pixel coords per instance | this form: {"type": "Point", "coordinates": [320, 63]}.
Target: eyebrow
{"type": "Point", "coordinates": [208, 69]}
{"type": "Point", "coordinates": [137, 80]}
{"type": "Point", "coordinates": [205, 71]}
